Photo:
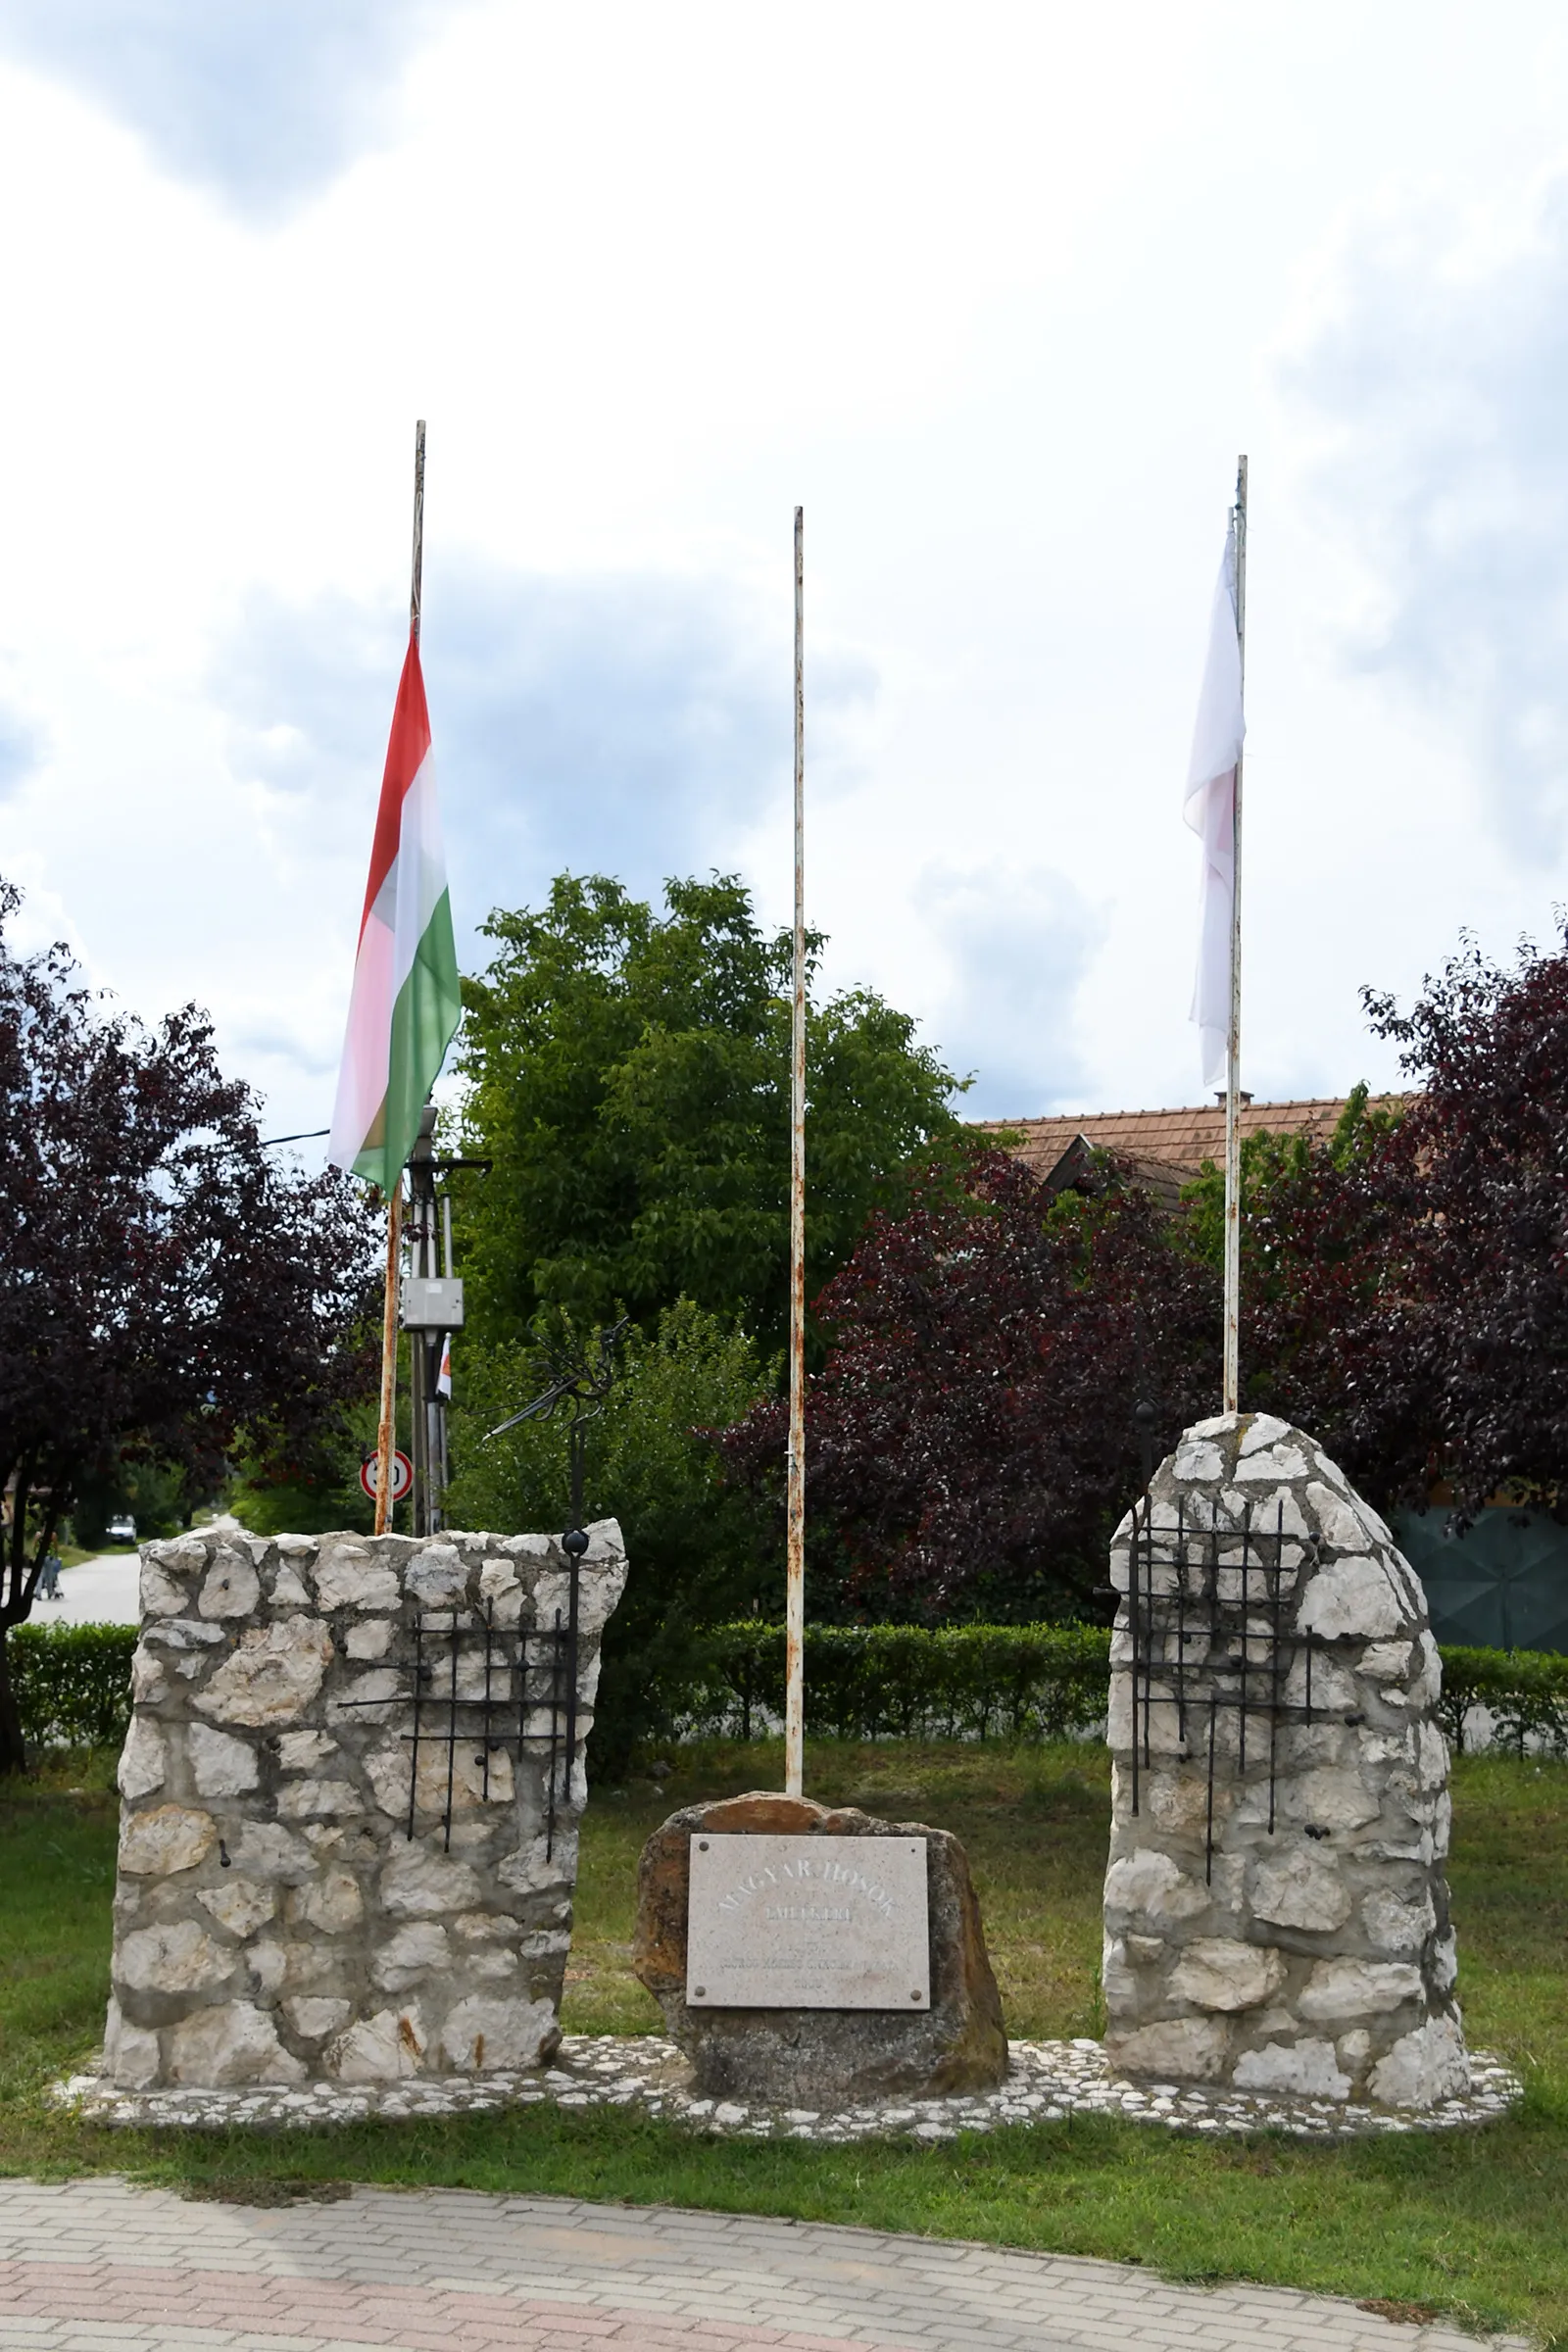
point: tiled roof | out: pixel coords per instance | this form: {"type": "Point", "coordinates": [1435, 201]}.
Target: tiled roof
{"type": "Point", "coordinates": [1178, 1139]}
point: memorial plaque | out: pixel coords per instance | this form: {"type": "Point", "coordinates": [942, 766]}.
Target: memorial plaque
{"type": "Point", "coordinates": [807, 1923]}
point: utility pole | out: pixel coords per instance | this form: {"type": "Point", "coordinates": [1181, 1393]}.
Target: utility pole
{"type": "Point", "coordinates": [424, 1344]}
{"type": "Point", "coordinates": [431, 1312]}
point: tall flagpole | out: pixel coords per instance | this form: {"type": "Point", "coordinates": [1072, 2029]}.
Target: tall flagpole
{"type": "Point", "coordinates": [394, 1206]}
{"type": "Point", "coordinates": [1233, 1045]}
{"type": "Point", "coordinates": [795, 1530]}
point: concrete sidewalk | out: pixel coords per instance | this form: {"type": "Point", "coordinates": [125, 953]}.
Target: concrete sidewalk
{"type": "Point", "coordinates": [96, 2263]}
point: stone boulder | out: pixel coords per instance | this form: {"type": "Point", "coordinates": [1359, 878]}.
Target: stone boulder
{"type": "Point", "coordinates": [824, 2057]}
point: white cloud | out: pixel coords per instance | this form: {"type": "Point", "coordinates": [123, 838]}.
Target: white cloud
{"type": "Point", "coordinates": [622, 724]}
{"type": "Point", "coordinates": [1438, 385]}
{"type": "Point", "coordinates": [19, 751]}
{"type": "Point", "coordinates": [1018, 944]}
{"type": "Point", "coordinates": [998, 294]}
{"type": "Point", "coordinates": [261, 100]}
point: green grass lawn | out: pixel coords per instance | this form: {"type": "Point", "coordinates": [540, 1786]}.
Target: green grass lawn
{"type": "Point", "coordinates": [1472, 2224]}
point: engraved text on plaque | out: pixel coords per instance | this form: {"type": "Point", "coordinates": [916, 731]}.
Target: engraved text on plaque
{"type": "Point", "coordinates": [807, 1923]}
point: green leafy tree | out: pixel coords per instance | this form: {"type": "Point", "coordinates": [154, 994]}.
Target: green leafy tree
{"type": "Point", "coordinates": [629, 1076]}
{"type": "Point", "coordinates": [158, 1498]}
{"type": "Point", "coordinates": [1269, 1161]}
{"type": "Point", "coordinates": [700, 1552]}
{"type": "Point", "coordinates": [315, 1485]}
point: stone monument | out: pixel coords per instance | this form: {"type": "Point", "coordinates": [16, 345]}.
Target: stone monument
{"type": "Point", "coordinates": [812, 1957]}
{"type": "Point", "coordinates": [1276, 1908]}
{"type": "Point", "coordinates": [351, 1793]}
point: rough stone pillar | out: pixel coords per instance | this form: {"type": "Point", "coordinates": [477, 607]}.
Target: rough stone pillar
{"type": "Point", "coordinates": [1276, 1908]}
{"type": "Point", "coordinates": [351, 1791]}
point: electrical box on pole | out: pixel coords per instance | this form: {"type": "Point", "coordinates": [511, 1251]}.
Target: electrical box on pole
{"type": "Point", "coordinates": [432, 1304]}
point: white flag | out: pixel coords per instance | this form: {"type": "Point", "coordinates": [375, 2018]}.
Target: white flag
{"type": "Point", "coordinates": [1209, 808]}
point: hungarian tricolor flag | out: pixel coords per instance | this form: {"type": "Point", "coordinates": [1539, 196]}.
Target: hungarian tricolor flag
{"type": "Point", "coordinates": [404, 1007]}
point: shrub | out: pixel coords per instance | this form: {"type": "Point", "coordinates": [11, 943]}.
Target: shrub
{"type": "Point", "coordinates": [72, 1683]}
{"type": "Point", "coordinates": [874, 1681]}
{"type": "Point", "coordinates": [871, 1682]}
{"type": "Point", "coordinates": [1032, 1681]}
{"type": "Point", "coordinates": [1526, 1690]}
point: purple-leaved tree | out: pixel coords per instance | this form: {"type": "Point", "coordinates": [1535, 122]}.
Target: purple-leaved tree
{"type": "Point", "coordinates": [970, 1438]}
{"type": "Point", "coordinates": [164, 1283]}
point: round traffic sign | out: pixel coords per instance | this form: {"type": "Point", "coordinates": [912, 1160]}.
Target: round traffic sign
{"type": "Point", "coordinates": [402, 1475]}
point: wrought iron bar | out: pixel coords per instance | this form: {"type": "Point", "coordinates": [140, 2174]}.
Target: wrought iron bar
{"type": "Point", "coordinates": [1241, 1734]}
{"type": "Point", "coordinates": [555, 1657]}
{"type": "Point", "coordinates": [554, 1719]}
{"type": "Point", "coordinates": [452, 1733]}
{"type": "Point", "coordinates": [489, 1659]}
{"type": "Point", "coordinates": [1133, 1621]}
{"type": "Point", "coordinates": [1190, 1600]}
{"type": "Point", "coordinates": [1278, 1652]}
{"type": "Point", "coordinates": [419, 1688]}
{"type": "Point", "coordinates": [576, 1545]}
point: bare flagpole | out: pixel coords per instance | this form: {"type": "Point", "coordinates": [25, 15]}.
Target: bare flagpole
{"type": "Point", "coordinates": [795, 1532]}
{"type": "Point", "coordinates": [394, 1206]}
{"type": "Point", "coordinates": [1233, 1047]}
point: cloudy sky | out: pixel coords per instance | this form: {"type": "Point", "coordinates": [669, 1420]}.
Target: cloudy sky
{"type": "Point", "coordinates": [998, 292]}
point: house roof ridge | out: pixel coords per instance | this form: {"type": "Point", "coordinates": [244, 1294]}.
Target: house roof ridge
{"type": "Point", "coordinates": [1178, 1110]}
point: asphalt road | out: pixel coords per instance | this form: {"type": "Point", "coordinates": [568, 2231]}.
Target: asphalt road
{"type": "Point", "coordinates": [97, 1592]}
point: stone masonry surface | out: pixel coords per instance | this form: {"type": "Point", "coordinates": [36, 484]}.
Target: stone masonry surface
{"type": "Point", "coordinates": [348, 1820]}
{"type": "Point", "coordinates": [1045, 2082]}
{"type": "Point", "coordinates": [1276, 1904]}
{"type": "Point", "coordinates": [98, 2264]}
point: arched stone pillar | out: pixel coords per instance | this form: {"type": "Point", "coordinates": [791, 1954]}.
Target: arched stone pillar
{"type": "Point", "coordinates": [1276, 1904]}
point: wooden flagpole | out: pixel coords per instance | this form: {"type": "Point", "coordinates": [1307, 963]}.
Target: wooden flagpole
{"type": "Point", "coordinates": [394, 1205]}
{"type": "Point", "coordinates": [794, 1527]}
{"type": "Point", "coordinates": [1233, 1043]}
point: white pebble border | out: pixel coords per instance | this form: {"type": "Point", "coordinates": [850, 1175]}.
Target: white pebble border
{"type": "Point", "coordinates": [1047, 2081]}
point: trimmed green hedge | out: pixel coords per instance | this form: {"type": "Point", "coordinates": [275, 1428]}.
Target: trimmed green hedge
{"type": "Point", "coordinates": [873, 1682]}
{"type": "Point", "coordinates": [907, 1681]}
{"type": "Point", "coordinates": [1035, 1682]}
{"type": "Point", "coordinates": [71, 1683]}
{"type": "Point", "coordinates": [1027, 1682]}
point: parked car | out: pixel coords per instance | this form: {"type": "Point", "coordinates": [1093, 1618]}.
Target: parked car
{"type": "Point", "coordinates": [122, 1529]}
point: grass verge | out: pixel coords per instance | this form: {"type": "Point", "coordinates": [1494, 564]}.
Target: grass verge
{"type": "Point", "coordinates": [1469, 2225]}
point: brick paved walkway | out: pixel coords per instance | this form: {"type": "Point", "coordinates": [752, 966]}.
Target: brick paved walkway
{"type": "Point", "coordinates": [96, 2266]}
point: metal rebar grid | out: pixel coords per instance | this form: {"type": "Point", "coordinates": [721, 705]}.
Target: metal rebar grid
{"type": "Point", "coordinates": [1210, 1639]}
{"type": "Point", "coordinates": [525, 1674]}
